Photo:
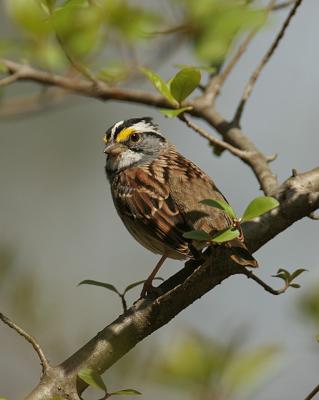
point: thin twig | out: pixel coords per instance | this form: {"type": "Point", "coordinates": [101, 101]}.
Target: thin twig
{"type": "Point", "coordinates": [242, 154]}
{"type": "Point", "coordinates": [263, 284]}
{"type": "Point", "coordinates": [123, 300]}
{"type": "Point", "coordinates": [312, 394]}
{"type": "Point", "coordinates": [43, 360]}
{"type": "Point", "coordinates": [252, 80]}
{"type": "Point", "coordinates": [9, 79]}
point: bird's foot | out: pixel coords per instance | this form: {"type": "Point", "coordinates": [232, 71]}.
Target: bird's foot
{"type": "Point", "coordinates": [149, 290]}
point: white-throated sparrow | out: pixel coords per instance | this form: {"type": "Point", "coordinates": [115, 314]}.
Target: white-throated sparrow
{"type": "Point", "coordinates": [157, 193]}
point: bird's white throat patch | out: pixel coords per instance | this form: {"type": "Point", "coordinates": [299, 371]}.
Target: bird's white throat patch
{"type": "Point", "coordinates": [124, 160]}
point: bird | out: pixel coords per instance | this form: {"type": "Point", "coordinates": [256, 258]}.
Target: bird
{"type": "Point", "coordinates": [157, 193]}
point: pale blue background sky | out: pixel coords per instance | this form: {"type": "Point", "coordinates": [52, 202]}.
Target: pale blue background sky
{"type": "Point", "coordinates": [57, 214]}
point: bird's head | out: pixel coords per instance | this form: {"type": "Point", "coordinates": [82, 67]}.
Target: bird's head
{"type": "Point", "coordinates": [133, 142]}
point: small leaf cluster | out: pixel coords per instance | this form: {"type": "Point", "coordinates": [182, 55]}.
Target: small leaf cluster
{"type": "Point", "coordinates": [288, 277]}
{"type": "Point", "coordinates": [94, 379]}
{"type": "Point", "coordinates": [113, 289]}
{"type": "Point", "coordinates": [177, 89]}
{"type": "Point", "coordinates": [257, 207]}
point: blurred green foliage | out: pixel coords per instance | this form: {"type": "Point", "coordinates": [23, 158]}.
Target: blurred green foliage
{"type": "Point", "coordinates": [213, 24]}
{"type": "Point", "coordinates": [212, 369]}
{"type": "Point", "coordinates": [20, 289]}
{"type": "Point", "coordinates": [50, 32]}
{"type": "Point", "coordinates": [309, 305]}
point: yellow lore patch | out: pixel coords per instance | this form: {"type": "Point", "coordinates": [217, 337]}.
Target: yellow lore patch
{"type": "Point", "coordinates": [124, 135]}
{"type": "Point", "coordinates": [105, 139]}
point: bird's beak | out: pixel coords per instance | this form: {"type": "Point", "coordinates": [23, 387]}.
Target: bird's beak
{"type": "Point", "coordinates": [114, 149]}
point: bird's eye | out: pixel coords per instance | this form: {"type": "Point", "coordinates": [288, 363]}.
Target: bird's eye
{"type": "Point", "coordinates": [135, 137]}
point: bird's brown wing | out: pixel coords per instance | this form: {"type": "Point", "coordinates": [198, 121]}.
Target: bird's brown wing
{"type": "Point", "coordinates": [149, 212]}
{"type": "Point", "coordinates": [188, 185]}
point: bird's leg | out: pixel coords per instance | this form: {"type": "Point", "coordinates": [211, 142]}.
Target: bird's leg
{"type": "Point", "coordinates": [148, 287]}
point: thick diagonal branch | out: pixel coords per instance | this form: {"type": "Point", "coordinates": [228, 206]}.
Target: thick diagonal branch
{"type": "Point", "coordinates": [299, 196]}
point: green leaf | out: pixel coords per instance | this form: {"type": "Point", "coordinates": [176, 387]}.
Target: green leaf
{"type": "Point", "coordinates": [222, 205]}
{"type": "Point", "coordinates": [171, 113]}
{"type": "Point", "coordinates": [317, 338]}
{"type": "Point", "coordinates": [161, 86]}
{"type": "Point", "coordinates": [226, 235]}
{"type": "Point", "coordinates": [259, 206]}
{"type": "Point", "coordinates": [283, 274]}
{"type": "Point", "coordinates": [296, 273]}
{"type": "Point", "coordinates": [284, 271]}
{"type": "Point", "coordinates": [280, 276]}
{"type": "Point", "coordinates": [133, 285]}
{"type": "Point", "coordinates": [184, 83]}
{"type": "Point", "coordinates": [92, 378]}
{"type": "Point", "coordinates": [197, 235]}
{"type": "Point", "coordinates": [98, 283]}
{"type": "Point", "coordinates": [295, 285]}
{"type": "Point", "coordinates": [126, 392]}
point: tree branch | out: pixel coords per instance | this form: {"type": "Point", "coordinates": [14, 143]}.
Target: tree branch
{"type": "Point", "coordinates": [201, 107]}
{"type": "Point", "coordinates": [9, 79]}
{"type": "Point", "coordinates": [259, 163]}
{"type": "Point", "coordinates": [299, 196]}
{"type": "Point", "coordinates": [98, 90]}
{"type": "Point", "coordinates": [242, 154]}
{"type": "Point", "coordinates": [43, 360]}
{"type": "Point", "coordinates": [264, 285]}
{"type": "Point", "coordinates": [312, 394]}
{"type": "Point", "coordinates": [253, 79]}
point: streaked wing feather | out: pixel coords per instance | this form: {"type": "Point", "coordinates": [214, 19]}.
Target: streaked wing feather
{"type": "Point", "coordinates": [151, 206]}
